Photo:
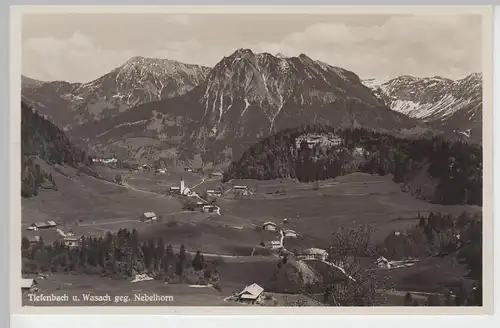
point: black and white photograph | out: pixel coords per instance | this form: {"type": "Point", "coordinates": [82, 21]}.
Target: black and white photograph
{"type": "Point", "coordinates": [252, 159]}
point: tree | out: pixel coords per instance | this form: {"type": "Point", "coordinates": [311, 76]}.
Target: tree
{"type": "Point", "coordinates": [182, 253]}
{"type": "Point", "coordinates": [358, 286]}
{"type": "Point", "coordinates": [189, 205]}
{"type": "Point", "coordinates": [198, 262]}
{"type": "Point", "coordinates": [352, 241]}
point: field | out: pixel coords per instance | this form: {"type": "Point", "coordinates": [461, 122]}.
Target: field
{"type": "Point", "coordinates": [91, 206]}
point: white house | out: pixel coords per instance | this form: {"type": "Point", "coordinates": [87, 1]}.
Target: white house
{"type": "Point", "coordinates": [252, 294]}
{"type": "Point", "coordinates": [313, 254]}
{"type": "Point", "coordinates": [382, 262]}
{"type": "Point", "coordinates": [269, 226]}
{"type": "Point", "coordinates": [240, 187]}
{"type": "Point", "coordinates": [28, 285]}
{"type": "Point", "coordinates": [214, 193]}
{"type": "Point", "coordinates": [42, 225]}
{"type": "Point", "coordinates": [175, 190]}
{"type": "Point", "coordinates": [148, 216]}
{"type": "Point", "coordinates": [71, 241]}
{"type": "Point", "coordinates": [273, 244]}
{"type": "Point", "coordinates": [211, 209]}
{"type": "Point", "coordinates": [291, 233]}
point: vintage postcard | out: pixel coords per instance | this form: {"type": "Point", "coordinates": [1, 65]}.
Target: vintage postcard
{"type": "Point", "coordinates": [214, 159]}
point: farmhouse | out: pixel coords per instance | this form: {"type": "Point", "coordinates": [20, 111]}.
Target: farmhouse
{"type": "Point", "coordinates": [211, 209]}
{"type": "Point", "coordinates": [291, 233]}
{"type": "Point", "coordinates": [252, 294]}
{"type": "Point", "coordinates": [28, 285]}
{"type": "Point", "coordinates": [42, 225]}
{"type": "Point", "coordinates": [71, 241]}
{"type": "Point", "coordinates": [148, 217]}
{"type": "Point", "coordinates": [382, 262]}
{"type": "Point", "coordinates": [313, 254]}
{"type": "Point", "coordinates": [273, 244]}
{"type": "Point", "coordinates": [214, 193]}
{"type": "Point", "coordinates": [240, 187]}
{"type": "Point", "coordinates": [175, 190]}
{"type": "Point", "coordinates": [269, 226]}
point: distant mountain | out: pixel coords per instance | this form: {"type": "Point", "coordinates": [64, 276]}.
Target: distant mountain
{"type": "Point", "coordinates": [138, 81]}
{"type": "Point", "coordinates": [249, 96]}
{"type": "Point", "coordinates": [455, 107]}
{"type": "Point", "coordinates": [29, 82]}
{"type": "Point", "coordinates": [42, 145]}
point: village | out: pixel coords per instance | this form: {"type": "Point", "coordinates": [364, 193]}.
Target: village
{"type": "Point", "coordinates": [207, 201]}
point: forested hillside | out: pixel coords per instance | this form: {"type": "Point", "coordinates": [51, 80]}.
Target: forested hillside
{"type": "Point", "coordinates": [440, 171]}
{"type": "Point", "coordinates": [42, 141]}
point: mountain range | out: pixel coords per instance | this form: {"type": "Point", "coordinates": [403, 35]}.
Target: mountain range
{"type": "Point", "coordinates": [152, 108]}
{"type": "Point", "coordinates": [137, 81]}
{"type": "Point", "coordinates": [452, 106]}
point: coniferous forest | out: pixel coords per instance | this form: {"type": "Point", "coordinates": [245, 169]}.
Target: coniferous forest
{"type": "Point", "coordinates": [119, 255]}
{"type": "Point", "coordinates": [438, 170]}
{"type": "Point", "coordinates": [41, 139]}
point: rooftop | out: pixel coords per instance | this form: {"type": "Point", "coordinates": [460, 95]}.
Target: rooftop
{"type": "Point", "coordinates": [27, 283]}
{"type": "Point", "coordinates": [253, 290]}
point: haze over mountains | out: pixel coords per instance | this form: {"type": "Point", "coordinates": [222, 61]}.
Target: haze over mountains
{"type": "Point", "coordinates": [151, 108]}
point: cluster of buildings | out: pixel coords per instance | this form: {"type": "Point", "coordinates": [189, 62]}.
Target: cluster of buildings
{"type": "Point", "coordinates": [182, 189]}
{"type": "Point", "coordinates": [69, 239]}
{"type": "Point", "coordinates": [384, 263]}
{"type": "Point", "coordinates": [312, 139]}
{"type": "Point", "coordinates": [42, 225]}
{"type": "Point", "coordinates": [311, 254]}
{"type": "Point", "coordinates": [305, 254]}
{"type": "Point", "coordinates": [242, 190]}
{"type": "Point", "coordinates": [102, 160]}
{"type": "Point", "coordinates": [271, 226]}
{"type": "Point", "coordinates": [214, 193]}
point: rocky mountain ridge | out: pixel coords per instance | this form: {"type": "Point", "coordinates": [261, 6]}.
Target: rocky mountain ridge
{"type": "Point", "coordinates": [248, 96]}
{"type": "Point", "coordinates": [137, 81]}
{"type": "Point", "coordinates": [454, 106]}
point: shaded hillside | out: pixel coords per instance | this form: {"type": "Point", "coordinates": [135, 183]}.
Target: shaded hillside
{"type": "Point", "coordinates": [246, 97]}
{"type": "Point", "coordinates": [452, 170]}
{"type": "Point", "coordinates": [452, 245]}
{"type": "Point", "coordinates": [43, 143]}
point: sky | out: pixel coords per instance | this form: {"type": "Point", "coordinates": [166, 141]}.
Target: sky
{"type": "Point", "coordinates": [83, 47]}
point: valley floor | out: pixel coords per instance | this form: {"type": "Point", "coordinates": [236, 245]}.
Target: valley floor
{"type": "Point", "coordinates": [90, 206]}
